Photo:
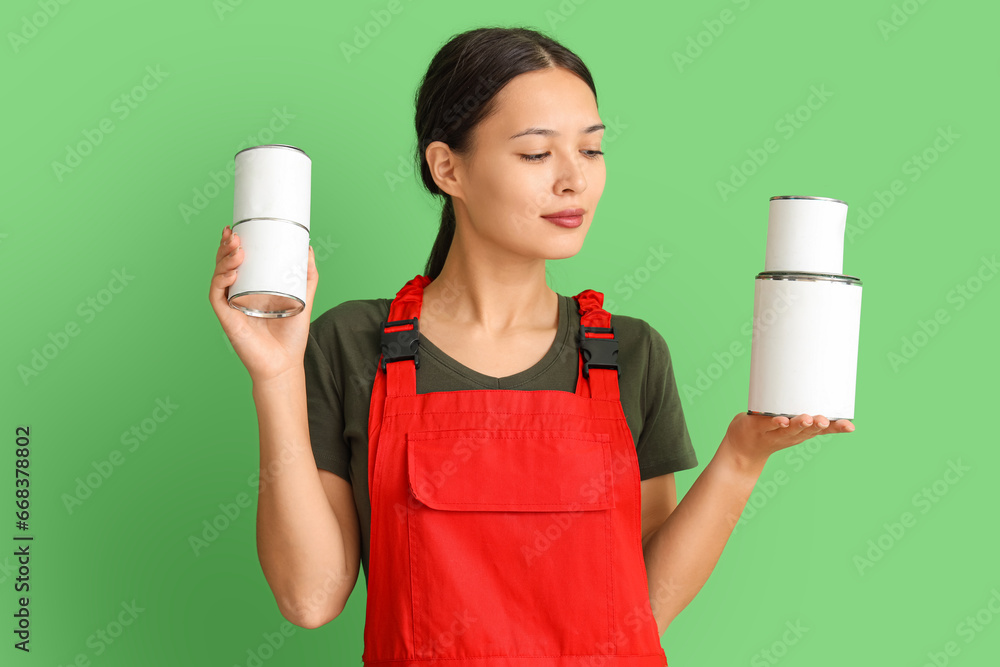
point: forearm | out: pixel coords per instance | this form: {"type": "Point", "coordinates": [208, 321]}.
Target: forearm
{"type": "Point", "coordinates": [299, 540]}
{"type": "Point", "coordinates": [681, 554]}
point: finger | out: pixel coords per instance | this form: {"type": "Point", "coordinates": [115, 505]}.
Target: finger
{"type": "Point", "coordinates": [230, 240]}
{"type": "Point", "coordinates": [232, 258]}
{"type": "Point", "coordinates": [227, 235]}
{"type": "Point", "coordinates": [778, 422]}
{"type": "Point", "coordinates": [800, 423]}
{"type": "Point", "coordinates": [237, 326]}
{"type": "Point", "coordinates": [226, 271]}
{"type": "Point", "coordinates": [820, 423]}
{"type": "Point", "coordinates": [762, 423]}
{"type": "Point", "coordinates": [312, 277]}
{"type": "Point", "coordinates": [842, 426]}
{"type": "Point", "coordinates": [813, 425]}
{"type": "Point", "coordinates": [221, 281]}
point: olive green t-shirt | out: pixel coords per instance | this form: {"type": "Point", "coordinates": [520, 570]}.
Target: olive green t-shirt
{"type": "Point", "coordinates": [342, 355]}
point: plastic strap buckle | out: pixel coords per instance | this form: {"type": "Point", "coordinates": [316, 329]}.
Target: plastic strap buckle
{"type": "Point", "coordinates": [598, 352]}
{"type": "Point", "coordinates": [400, 345]}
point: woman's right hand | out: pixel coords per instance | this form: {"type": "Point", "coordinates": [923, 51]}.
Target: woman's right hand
{"type": "Point", "coordinates": [268, 347]}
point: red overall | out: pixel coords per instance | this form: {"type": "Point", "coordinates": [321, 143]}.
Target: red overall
{"type": "Point", "coordinates": [505, 524]}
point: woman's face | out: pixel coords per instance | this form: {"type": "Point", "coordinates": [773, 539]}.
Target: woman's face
{"type": "Point", "coordinates": [505, 193]}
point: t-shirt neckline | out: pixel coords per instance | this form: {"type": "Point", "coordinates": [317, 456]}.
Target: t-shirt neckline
{"type": "Point", "coordinates": [508, 381]}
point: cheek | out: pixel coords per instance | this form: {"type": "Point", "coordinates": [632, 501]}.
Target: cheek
{"type": "Point", "coordinates": [501, 185]}
{"type": "Point", "coordinates": [523, 194]}
{"type": "Point", "coordinates": [600, 178]}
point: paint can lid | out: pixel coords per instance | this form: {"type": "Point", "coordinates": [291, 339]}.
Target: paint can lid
{"type": "Point", "coordinates": [294, 148]}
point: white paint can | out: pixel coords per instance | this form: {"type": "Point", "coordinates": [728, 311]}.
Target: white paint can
{"type": "Point", "coordinates": [271, 215]}
{"type": "Point", "coordinates": [807, 314]}
{"type": "Point", "coordinates": [804, 347]}
{"type": "Point", "coordinates": [806, 234]}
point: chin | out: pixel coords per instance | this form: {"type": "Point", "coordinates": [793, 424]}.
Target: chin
{"type": "Point", "coordinates": [564, 250]}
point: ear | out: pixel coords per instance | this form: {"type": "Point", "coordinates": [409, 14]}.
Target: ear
{"type": "Point", "coordinates": [445, 167]}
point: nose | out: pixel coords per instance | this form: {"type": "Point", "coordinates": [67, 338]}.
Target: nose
{"type": "Point", "coordinates": [571, 176]}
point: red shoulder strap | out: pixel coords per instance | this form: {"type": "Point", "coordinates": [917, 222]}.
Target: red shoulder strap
{"type": "Point", "coordinates": [397, 378]}
{"type": "Point", "coordinates": [597, 370]}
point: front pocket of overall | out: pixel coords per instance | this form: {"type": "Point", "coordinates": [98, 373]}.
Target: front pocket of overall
{"type": "Point", "coordinates": [509, 541]}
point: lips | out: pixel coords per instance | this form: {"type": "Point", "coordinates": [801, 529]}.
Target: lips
{"type": "Point", "coordinates": [571, 217]}
{"type": "Point", "coordinates": [565, 213]}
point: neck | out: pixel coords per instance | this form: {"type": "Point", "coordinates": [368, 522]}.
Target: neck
{"type": "Point", "coordinates": [491, 291]}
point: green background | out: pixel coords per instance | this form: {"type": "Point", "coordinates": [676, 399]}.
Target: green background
{"type": "Point", "coordinates": [895, 75]}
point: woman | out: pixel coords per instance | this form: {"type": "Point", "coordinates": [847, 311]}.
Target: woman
{"type": "Point", "coordinates": [478, 438]}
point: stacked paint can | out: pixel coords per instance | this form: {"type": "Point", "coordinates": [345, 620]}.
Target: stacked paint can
{"type": "Point", "coordinates": [271, 216]}
{"type": "Point", "coordinates": [807, 314]}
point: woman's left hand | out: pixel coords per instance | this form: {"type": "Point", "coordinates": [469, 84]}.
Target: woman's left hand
{"type": "Point", "coordinates": [755, 437]}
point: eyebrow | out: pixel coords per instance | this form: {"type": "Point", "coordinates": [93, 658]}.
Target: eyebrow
{"type": "Point", "coordinates": [552, 133]}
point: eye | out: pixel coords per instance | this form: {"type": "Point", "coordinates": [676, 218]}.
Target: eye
{"type": "Point", "coordinates": [593, 155]}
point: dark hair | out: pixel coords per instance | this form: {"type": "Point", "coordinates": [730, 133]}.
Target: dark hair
{"type": "Point", "coordinates": [458, 91]}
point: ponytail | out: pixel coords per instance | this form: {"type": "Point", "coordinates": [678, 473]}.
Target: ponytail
{"type": "Point", "coordinates": [443, 241]}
